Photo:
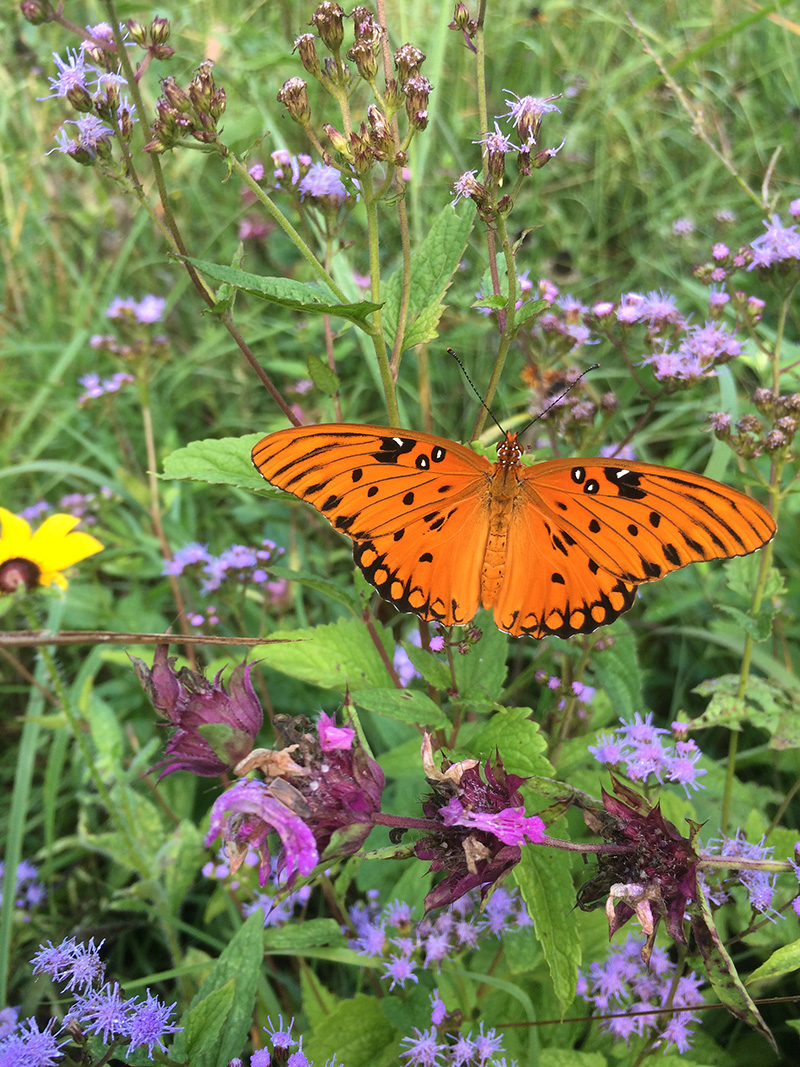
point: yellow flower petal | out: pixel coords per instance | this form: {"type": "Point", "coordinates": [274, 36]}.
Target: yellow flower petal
{"type": "Point", "coordinates": [15, 538]}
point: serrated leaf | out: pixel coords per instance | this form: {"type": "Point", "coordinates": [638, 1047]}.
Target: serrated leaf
{"type": "Point", "coordinates": [309, 297]}
{"type": "Point", "coordinates": [759, 628]}
{"type": "Point", "coordinates": [436, 672]}
{"type": "Point", "coordinates": [530, 309]}
{"type": "Point", "coordinates": [240, 962]}
{"type": "Point", "coordinates": [766, 704]}
{"type": "Point", "coordinates": [326, 380]}
{"type": "Point", "coordinates": [313, 933]}
{"type": "Point", "coordinates": [225, 461]}
{"type": "Point", "coordinates": [481, 672]}
{"type": "Point", "coordinates": [721, 971]}
{"type": "Point", "coordinates": [432, 268]}
{"type": "Point", "coordinates": [203, 1023]}
{"type": "Point", "coordinates": [785, 960]}
{"type": "Point", "coordinates": [518, 739]}
{"type": "Point", "coordinates": [358, 1033]}
{"type": "Point", "coordinates": [333, 656]}
{"type": "Point", "coordinates": [406, 705]}
{"type": "Point", "coordinates": [494, 301]}
{"type": "Point", "coordinates": [545, 881]}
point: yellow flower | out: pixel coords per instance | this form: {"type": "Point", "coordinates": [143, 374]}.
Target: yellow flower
{"type": "Point", "coordinates": [32, 559]}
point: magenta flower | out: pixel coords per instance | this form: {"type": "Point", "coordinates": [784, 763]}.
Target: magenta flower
{"type": "Point", "coordinates": [214, 728]}
{"type": "Point", "coordinates": [482, 825]}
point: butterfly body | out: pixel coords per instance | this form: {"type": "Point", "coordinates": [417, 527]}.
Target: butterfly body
{"type": "Point", "coordinates": [553, 548]}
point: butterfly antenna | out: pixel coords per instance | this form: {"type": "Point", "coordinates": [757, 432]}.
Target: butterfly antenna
{"type": "Point", "coordinates": [553, 403]}
{"type": "Point", "coordinates": [475, 391]}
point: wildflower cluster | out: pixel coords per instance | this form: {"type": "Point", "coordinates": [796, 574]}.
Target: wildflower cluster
{"type": "Point", "coordinates": [749, 437]}
{"type": "Point", "coordinates": [94, 387]}
{"type": "Point", "coordinates": [96, 91]}
{"type": "Point", "coordinates": [627, 990]}
{"type": "Point", "coordinates": [638, 747]}
{"type": "Point", "coordinates": [525, 115]}
{"type": "Point", "coordinates": [375, 140]}
{"type": "Point", "coordinates": [99, 1007]}
{"type": "Point", "coordinates": [234, 568]}
{"type": "Point", "coordinates": [401, 661]}
{"type": "Point", "coordinates": [84, 506]}
{"type": "Point", "coordinates": [407, 946]}
{"type": "Point", "coordinates": [759, 884]}
{"type": "Point", "coordinates": [188, 116]}
{"type": "Point", "coordinates": [282, 1041]}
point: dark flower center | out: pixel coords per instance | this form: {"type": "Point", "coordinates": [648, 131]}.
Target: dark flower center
{"type": "Point", "coordinates": [18, 572]}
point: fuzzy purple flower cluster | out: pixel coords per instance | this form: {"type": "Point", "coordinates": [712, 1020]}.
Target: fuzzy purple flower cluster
{"type": "Point", "coordinates": [281, 1039]}
{"type": "Point", "coordinates": [760, 885]}
{"type": "Point", "coordinates": [99, 1008]}
{"type": "Point", "coordinates": [238, 563]}
{"type": "Point", "coordinates": [94, 387]}
{"type": "Point", "coordinates": [408, 946]}
{"type": "Point", "coordinates": [626, 989]}
{"type": "Point", "coordinates": [82, 505]}
{"type": "Point", "coordinates": [29, 892]}
{"type": "Point", "coordinates": [638, 747]}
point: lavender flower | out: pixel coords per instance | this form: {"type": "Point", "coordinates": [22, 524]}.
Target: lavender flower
{"type": "Point", "coordinates": [780, 244]}
{"type": "Point", "coordinates": [149, 1023]}
{"type": "Point", "coordinates": [760, 885]}
{"type": "Point", "coordinates": [639, 746]}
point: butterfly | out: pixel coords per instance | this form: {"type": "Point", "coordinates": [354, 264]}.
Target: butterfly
{"type": "Point", "coordinates": [554, 548]}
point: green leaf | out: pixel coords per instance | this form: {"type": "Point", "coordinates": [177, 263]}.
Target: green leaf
{"type": "Point", "coordinates": [432, 268]}
{"type": "Point", "coordinates": [358, 1033]}
{"type": "Point", "coordinates": [785, 960]}
{"type": "Point", "coordinates": [407, 705]}
{"type": "Point", "coordinates": [616, 670]}
{"type": "Point", "coordinates": [203, 1023]}
{"type": "Point", "coordinates": [321, 585]}
{"type": "Point", "coordinates": [309, 297]}
{"type": "Point", "coordinates": [239, 964]}
{"type": "Point", "coordinates": [480, 673]}
{"type": "Point", "coordinates": [721, 971]}
{"type": "Point", "coordinates": [495, 301]}
{"type": "Point", "coordinates": [225, 461]}
{"type": "Point", "coordinates": [565, 1057]}
{"type": "Point", "coordinates": [436, 672]}
{"type": "Point", "coordinates": [529, 310]}
{"type": "Point", "coordinates": [295, 938]}
{"type": "Point", "coordinates": [180, 857]}
{"type": "Point", "coordinates": [333, 656]}
{"type": "Point", "coordinates": [766, 704]}
{"type": "Point", "coordinates": [518, 739]}
{"type": "Point", "coordinates": [322, 376]}
{"type": "Point", "coordinates": [545, 881]}
{"type": "Point", "coordinates": [759, 628]}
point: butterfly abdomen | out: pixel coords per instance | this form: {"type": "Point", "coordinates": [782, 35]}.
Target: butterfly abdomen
{"type": "Point", "coordinates": [504, 494]}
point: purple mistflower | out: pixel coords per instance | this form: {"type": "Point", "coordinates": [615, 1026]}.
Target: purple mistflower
{"type": "Point", "coordinates": [760, 885]}
{"type": "Point", "coordinates": [683, 226]}
{"type": "Point", "coordinates": [437, 643]}
{"type": "Point", "coordinates": [372, 939]}
{"type": "Point", "coordinates": [104, 1012]}
{"type": "Point", "coordinates": [624, 452]}
{"type": "Point", "coordinates": [150, 309]}
{"type": "Point", "coordinates": [610, 750]}
{"type": "Point", "coordinates": [681, 767]}
{"type": "Point", "coordinates": [486, 1045]}
{"type": "Point", "coordinates": [527, 112]}
{"type": "Point", "coordinates": [9, 1018]}
{"type": "Point", "coordinates": [71, 74]}
{"type": "Point", "coordinates": [438, 1009]}
{"type": "Point", "coordinates": [467, 187]}
{"type": "Point", "coordinates": [299, 1058]}
{"type": "Point", "coordinates": [497, 143]}
{"type": "Point", "coordinates": [54, 959]}
{"type": "Point", "coordinates": [259, 1058]}
{"type": "Point", "coordinates": [659, 308]}
{"type": "Point", "coordinates": [602, 309]}
{"type": "Point", "coordinates": [31, 1047]}
{"type": "Point", "coordinates": [720, 251]}
{"type": "Point", "coordinates": [630, 308]}
{"type": "Point", "coordinates": [794, 209]}
{"type": "Point", "coordinates": [90, 131]}
{"type": "Point", "coordinates": [641, 729]}
{"type": "Point", "coordinates": [215, 728]}
{"type": "Point", "coordinates": [280, 1036]}
{"type": "Point", "coordinates": [85, 968]}
{"type": "Point", "coordinates": [405, 670]}
{"type": "Point", "coordinates": [712, 342]}
{"type": "Point", "coordinates": [423, 1049]}
{"type": "Point", "coordinates": [398, 913]}
{"type": "Point", "coordinates": [401, 970]}
{"type": "Point", "coordinates": [778, 244]}
{"type": "Point", "coordinates": [256, 171]}
{"type": "Point", "coordinates": [463, 1050]}
{"type": "Point", "coordinates": [323, 181]}
{"type": "Point", "coordinates": [191, 553]}
{"type": "Point", "coordinates": [149, 1023]}
{"type": "Point", "coordinates": [717, 299]}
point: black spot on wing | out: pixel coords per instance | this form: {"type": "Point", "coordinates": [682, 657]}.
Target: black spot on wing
{"type": "Point", "coordinates": [392, 448]}
{"type": "Point", "coordinates": [671, 555]}
{"type": "Point", "coordinates": [626, 482]}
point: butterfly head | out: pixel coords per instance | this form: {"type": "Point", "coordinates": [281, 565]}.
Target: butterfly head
{"type": "Point", "coordinates": [509, 452]}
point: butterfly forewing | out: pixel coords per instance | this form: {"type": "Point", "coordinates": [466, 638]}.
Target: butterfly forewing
{"type": "Point", "coordinates": [414, 505]}
{"type": "Point", "coordinates": [639, 521]}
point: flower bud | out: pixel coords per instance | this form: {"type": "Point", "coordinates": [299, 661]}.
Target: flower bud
{"type": "Point", "coordinates": [408, 59]}
{"type": "Point", "coordinates": [545, 155]}
{"type": "Point", "coordinates": [417, 90]}
{"type": "Point", "coordinates": [361, 151]}
{"type": "Point", "coordinates": [305, 45]}
{"type": "Point", "coordinates": [764, 400]}
{"type": "Point", "coordinates": [162, 51]}
{"type": "Point", "coordinates": [36, 11]}
{"type": "Point", "coordinates": [80, 98]}
{"type": "Point", "coordinates": [294, 96]}
{"type": "Point", "coordinates": [380, 133]}
{"type": "Point", "coordinates": [775, 440]}
{"type": "Point", "coordinates": [365, 60]}
{"type": "Point", "coordinates": [460, 17]}
{"type": "Point", "coordinates": [159, 30]}
{"type": "Point", "coordinates": [176, 97]}
{"type": "Point", "coordinates": [202, 87]}
{"type": "Point", "coordinates": [365, 28]}
{"type": "Point", "coordinates": [137, 32]}
{"type": "Point", "coordinates": [217, 106]}
{"type": "Point", "coordinates": [329, 21]}
{"type": "Point", "coordinates": [338, 140]}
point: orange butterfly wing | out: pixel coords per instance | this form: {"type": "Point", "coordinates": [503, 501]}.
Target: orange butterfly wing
{"type": "Point", "coordinates": [584, 533]}
{"type": "Point", "coordinates": [415, 506]}
{"type": "Point", "coordinates": [556, 548]}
